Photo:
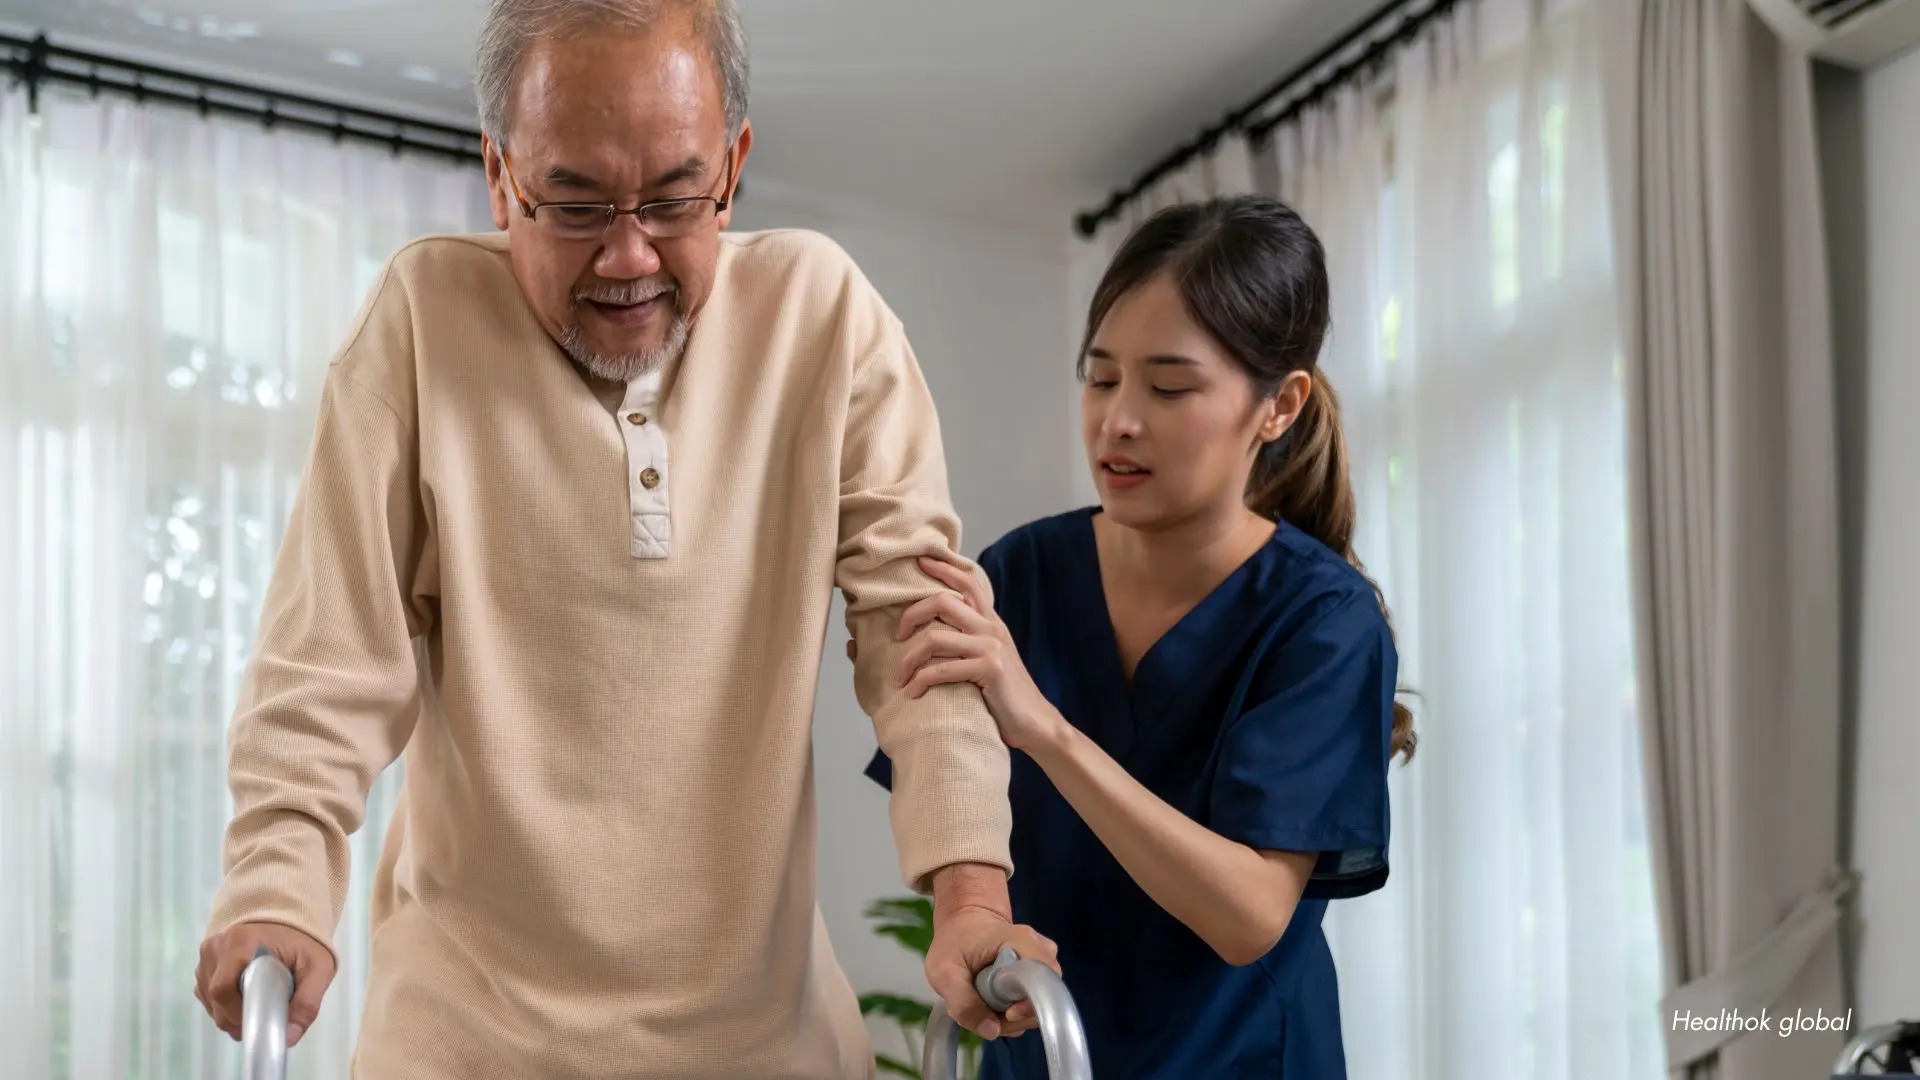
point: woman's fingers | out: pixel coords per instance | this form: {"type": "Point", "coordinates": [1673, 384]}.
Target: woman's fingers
{"type": "Point", "coordinates": [968, 585]}
{"type": "Point", "coordinates": [940, 607]}
{"type": "Point", "coordinates": [946, 671]}
{"type": "Point", "coordinates": [937, 641]}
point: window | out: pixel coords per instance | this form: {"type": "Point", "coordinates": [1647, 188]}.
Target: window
{"type": "Point", "coordinates": [1486, 427]}
{"type": "Point", "coordinates": [175, 293]}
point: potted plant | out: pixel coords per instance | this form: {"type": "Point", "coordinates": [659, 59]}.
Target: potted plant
{"type": "Point", "coordinates": [909, 921]}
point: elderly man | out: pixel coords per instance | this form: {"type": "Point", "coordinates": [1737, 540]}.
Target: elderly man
{"type": "Point", "coordinates": [578, 500]}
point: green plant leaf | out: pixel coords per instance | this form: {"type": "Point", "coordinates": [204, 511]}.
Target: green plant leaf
{"type": "Point", "coordinates": [909, 921]}
{"type": "Point", "coordinates": [917, 938]}
{"type": "Point", "coordinates": [906, 919]}
{"type": "Point", "coordinates": [909, 909]}
{"type": "Point", "coordinates": [896, 1007]}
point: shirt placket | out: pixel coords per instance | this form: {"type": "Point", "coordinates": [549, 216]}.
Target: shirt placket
{"type": "Point", "coordinates": [647, 472]}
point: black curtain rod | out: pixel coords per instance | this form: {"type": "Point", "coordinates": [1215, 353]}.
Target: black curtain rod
{"type": "Point", "coordinates": [1241, 119]}
{"type": "Point", "coordinates": [36, 62]}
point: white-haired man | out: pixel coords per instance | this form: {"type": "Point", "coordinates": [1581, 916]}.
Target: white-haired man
{"type": "Point", "coordinates": [579, 497]}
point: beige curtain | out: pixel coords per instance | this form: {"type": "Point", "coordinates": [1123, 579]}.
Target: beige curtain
{"type": "Point", "coordinates": [1733, 476]}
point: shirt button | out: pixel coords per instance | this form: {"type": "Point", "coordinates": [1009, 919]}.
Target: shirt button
{"type": "Point", "coordinates": [650, 478]}
{"type": "Point", "coordinates": [636, 419]}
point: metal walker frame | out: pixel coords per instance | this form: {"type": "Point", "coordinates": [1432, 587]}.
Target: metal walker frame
{"type": "Point", "coordinates": [266, 993]}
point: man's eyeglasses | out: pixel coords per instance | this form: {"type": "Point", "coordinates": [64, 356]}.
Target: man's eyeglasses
{"type": "Point", "coordinates": [662, 219]}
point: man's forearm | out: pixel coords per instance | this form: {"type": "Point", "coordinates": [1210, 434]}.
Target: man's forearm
{"type": "Point", "coordinates": [950, 771]}
{"type": "Point", "coordinates": [963, 886]}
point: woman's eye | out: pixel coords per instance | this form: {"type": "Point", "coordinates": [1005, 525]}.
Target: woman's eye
{"type": "Point", "coordinates": [1100, 384]}
{"type": "Point", "coordinates": [1172, 392]}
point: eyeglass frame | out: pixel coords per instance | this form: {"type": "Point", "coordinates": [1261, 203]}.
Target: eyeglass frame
{"type": "Point", "coordinates": [612, 210]}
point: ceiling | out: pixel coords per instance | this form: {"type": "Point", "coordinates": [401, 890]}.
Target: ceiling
{"type": "Point", "coordinates": [1012, 112]}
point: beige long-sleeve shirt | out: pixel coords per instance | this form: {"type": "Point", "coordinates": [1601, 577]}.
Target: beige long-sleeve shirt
{"type": "Point", "coordinates": [596, 635]}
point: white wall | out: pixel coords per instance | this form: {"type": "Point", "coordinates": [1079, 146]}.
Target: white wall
{"type": "Point", "coordinates": [1887, 772]}
{"type": "Point", "coordinates": [984, 311]}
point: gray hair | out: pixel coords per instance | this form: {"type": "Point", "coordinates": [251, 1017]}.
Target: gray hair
{"type": "Point", "coordinates": [512, 26]}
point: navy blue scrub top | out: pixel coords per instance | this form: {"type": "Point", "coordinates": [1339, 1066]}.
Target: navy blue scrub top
{"type": "Point", "coordinates": [1265, 714]}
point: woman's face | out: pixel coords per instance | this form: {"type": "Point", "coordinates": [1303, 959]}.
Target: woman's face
{"type": "Point", "coordinates": [1169, 418]}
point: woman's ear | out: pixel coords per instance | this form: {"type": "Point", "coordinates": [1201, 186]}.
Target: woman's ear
{"type": "Point", "coordinates": [1283, 408]}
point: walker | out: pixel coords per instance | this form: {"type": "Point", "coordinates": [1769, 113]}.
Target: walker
{"type": "Point", "coordinates": [1007, 980]}
{"type": "Point", "coordinates": [266, 991]}
{"type": "Point", "coordinates": [1893, 1049]}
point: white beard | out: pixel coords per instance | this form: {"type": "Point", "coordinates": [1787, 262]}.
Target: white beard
{"type": "Point", "coordinates": [624, 367]}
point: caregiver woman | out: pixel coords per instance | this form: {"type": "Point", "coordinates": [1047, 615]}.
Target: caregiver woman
{"type": "Point", "coordinates": [1196, 676]}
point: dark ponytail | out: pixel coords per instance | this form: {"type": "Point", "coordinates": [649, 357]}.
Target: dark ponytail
{"type": "Point", "coordinates": [1302, 479]}
{"type": "Point", "coordinates": [1253, 274]}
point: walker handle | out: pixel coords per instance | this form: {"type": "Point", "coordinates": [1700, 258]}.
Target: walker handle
{"type": "Point", "coordinates": [1862, 1046]}
{"type": "Point", "coordinates": [266, 993]}
{"type": "Point", "coordinates": [1007, 980]}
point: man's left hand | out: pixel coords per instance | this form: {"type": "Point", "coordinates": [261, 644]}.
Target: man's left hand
{"type": "Point", "coordinates": [965, 943]}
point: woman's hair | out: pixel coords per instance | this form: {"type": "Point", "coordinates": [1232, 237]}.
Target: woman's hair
{"type": "Point", "coordinates": [1254, 276]}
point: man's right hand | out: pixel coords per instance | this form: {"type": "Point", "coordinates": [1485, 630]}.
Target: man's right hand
{"type": "Point", "coordinates": [225, 955]}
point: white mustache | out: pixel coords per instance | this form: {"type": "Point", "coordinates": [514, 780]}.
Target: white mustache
{"type": "Point", "coordinates": [626, 292]}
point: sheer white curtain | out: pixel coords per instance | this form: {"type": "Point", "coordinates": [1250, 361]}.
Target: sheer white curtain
{"type": "Point", "coordinates": [171, 290]}
{"type": "Point", "coordinates": [1463, 206]}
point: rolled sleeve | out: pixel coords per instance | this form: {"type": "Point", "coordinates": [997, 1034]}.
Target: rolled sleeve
{"type": "Point", "coordinates": [949, 768]}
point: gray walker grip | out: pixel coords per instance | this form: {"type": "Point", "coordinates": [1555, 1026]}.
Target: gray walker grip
{"type": "Point", "coordinates": [1854, 1056]}
{"type": "Point", "coordinates": [1007, 980]}
{"type": "Point", "coordinates": [266, 992]}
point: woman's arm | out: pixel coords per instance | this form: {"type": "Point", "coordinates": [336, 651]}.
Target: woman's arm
{"type": "Point", "coordinates": [1237, 899]}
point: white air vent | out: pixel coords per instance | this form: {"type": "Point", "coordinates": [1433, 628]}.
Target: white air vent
{"type": "Point", "coordinates": [1855, 33]}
